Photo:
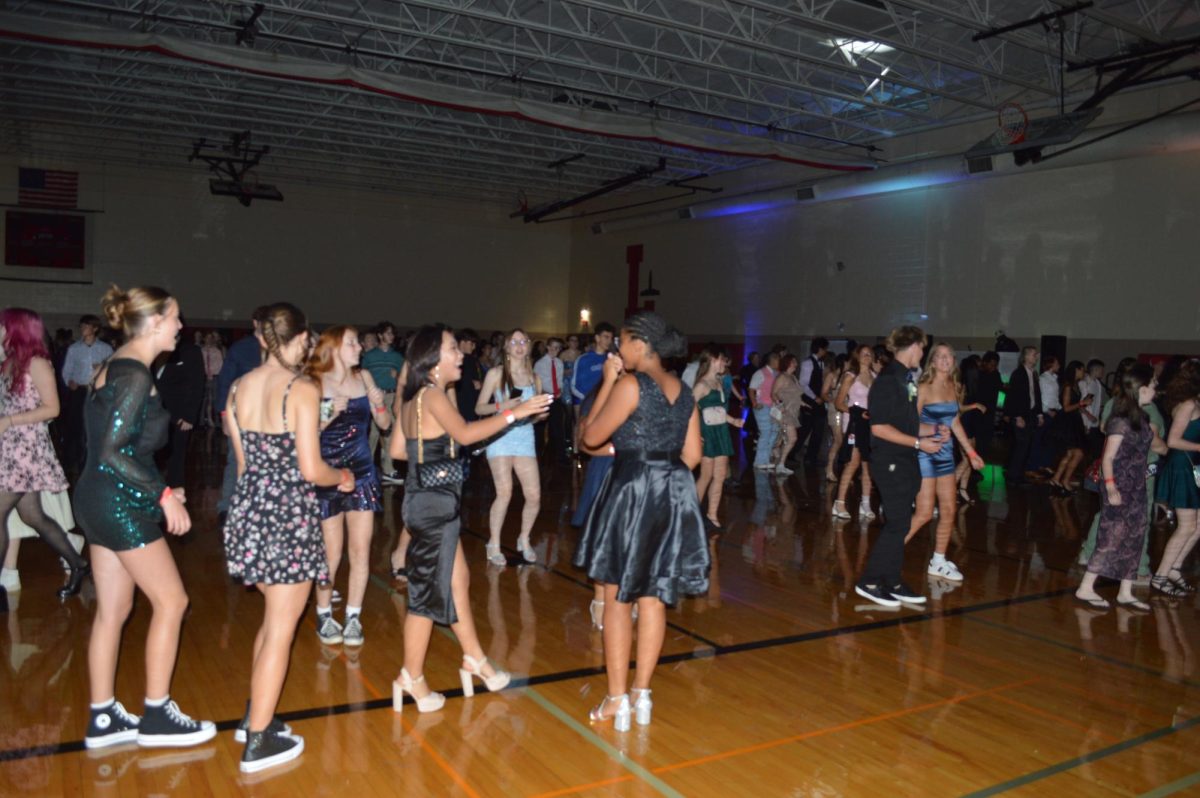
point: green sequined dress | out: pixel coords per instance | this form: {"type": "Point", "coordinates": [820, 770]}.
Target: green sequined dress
{"type": "Point", "coordinates": [116, 499]}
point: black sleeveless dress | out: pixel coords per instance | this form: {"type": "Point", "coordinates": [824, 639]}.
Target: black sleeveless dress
{"type": "Point", "coordinates": [645, 533]}
{"type": "Point", "coordinates": [432, 516]}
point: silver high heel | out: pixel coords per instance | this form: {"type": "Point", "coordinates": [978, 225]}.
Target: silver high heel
{"type": "Point", "coordinates": [839, 509]}
{"type": "Point", "coordinates": [596, 609]}
{"type": "Point", "coordinates": [526, 551]}
{"type": "Point", "coordinates": [864, 510]}
{"type": "Point", "coordinates": [621, 719]}
{"type": "Point", "coordinates": [405, 684]}
{"type": "Point", "coordinates": [642, 705]}
{"type": "Point", "coordinates": [494, 555]}
{"type": "Point", "coordinates": [474, 670]}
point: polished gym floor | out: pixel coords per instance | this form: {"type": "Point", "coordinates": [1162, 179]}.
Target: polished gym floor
{"type": "Point", "coordinates": [779, 682]}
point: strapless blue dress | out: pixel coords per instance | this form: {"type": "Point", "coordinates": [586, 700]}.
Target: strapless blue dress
{"type": "Point", "coordinates": [941, 462]}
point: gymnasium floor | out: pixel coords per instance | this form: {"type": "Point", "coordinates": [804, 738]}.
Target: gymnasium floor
{"type": "Point", "coordinates": [779, 682]}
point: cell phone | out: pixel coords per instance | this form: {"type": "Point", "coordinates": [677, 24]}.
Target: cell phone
{"type": "Point", "coordinates": [514, 393]}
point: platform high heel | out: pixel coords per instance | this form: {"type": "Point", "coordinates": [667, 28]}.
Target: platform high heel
{"type": "Point", "coordinates": [621, 718]}
{"type": "Point", "coordinates": [474, 670]}
{"type": "Point", "coordinates": [596, 610]}
{"type": "Point", "coordinates": [642, 705]}
{"type": "Point", "coordinates": [405, 684]}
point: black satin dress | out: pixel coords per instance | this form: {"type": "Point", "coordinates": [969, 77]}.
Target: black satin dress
{"type": "Point", "coordinates": [432, 516]}
{"type": "Point", "coordinates": [645, 533]}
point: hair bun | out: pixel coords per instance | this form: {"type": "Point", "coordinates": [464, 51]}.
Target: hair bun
{"type": "Point", "coordinates": [113, 306]}
{"type": "Point", "coordinates": [672, 344]}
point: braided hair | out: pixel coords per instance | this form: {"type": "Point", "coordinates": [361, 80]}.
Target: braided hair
{"type": "Point", "coordinates": [281, 323]}
{"type": "Point", "coordinates": [663, 339]}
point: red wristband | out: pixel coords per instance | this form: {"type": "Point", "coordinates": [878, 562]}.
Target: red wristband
{"type": "Point", "coordinates": [166, 494]}
{"type": "Point", "coordinates": [1109, 479]}
{"type": "Point", "coordinates": [347, 475]}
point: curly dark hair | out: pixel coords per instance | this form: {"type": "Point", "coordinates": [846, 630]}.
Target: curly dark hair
{"type": "Point", "coordinates": [1184, 385]}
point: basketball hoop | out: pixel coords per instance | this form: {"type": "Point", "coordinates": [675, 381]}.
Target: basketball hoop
{"type": "Point", "coordinates": [1012, 121]}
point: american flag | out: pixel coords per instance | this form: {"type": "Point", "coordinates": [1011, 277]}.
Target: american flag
{"type": "Point", "coordinates": [47, 188]}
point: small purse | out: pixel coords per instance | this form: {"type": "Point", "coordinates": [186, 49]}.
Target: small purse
{"type": "Point", "coordinates": [443, 473]}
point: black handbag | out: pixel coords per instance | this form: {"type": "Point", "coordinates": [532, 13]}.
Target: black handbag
{"type": "Point", "coordinates": [444, 473]}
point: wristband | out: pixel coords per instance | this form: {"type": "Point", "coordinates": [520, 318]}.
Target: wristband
{"type": "Point", "coordinates": [510, 417]}
{"type": "Point", "coordinates": [1110, 480]}
{"type": "Point", "coordinates": [166, 494]}
{"type": "Point", "coordinates": [497, 407]}
{"type": "Point", "coordinates": [972, 453]}
{"type": "Point", "coordinates": [347, 475]}
{"type": "Point", "coordinates": [381, 409]}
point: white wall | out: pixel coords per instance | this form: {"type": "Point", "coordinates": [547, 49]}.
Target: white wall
{"type": "Point", "coordinates": [341, 256]}
{"type": "Point", "coordinates": [1104, 251]}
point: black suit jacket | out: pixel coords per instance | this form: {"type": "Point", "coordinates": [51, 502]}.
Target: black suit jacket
{"type": "Point", "coordinates": [181, 383]}
{"type": "Point", "coordinates": [1016, 396]}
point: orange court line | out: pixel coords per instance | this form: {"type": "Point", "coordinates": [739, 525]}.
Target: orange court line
{"type": "Point", "coordinates": [454, 775]}
{"type": "Point", "coordinates": [749, 749]}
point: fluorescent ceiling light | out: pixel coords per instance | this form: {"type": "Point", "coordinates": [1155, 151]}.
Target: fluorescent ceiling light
{"type": "Point", "coordinates": [852, 47]}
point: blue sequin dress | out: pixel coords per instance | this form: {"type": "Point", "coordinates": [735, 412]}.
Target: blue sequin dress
{"type": "Point", "coordinates": [116, 498]}
{"type": "Point", "coordinates": [345, 443]}
{"type": "Point", "coordinates": [941, 462]}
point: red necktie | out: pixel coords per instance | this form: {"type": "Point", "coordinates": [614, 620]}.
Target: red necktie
{"type": "Point", "coordinates": [554, 379]}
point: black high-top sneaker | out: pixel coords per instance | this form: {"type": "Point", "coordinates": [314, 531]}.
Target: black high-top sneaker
{"type": "Point", "coordinates": [111, 725]}
{"type": "Point", "coordinates": [276, 726]}
{"type": "Point", "coordinates": [266, 750]}
{"type": "Point", "coordinates": [165, 726]}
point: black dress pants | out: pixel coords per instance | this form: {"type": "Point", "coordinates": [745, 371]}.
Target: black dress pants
{"type": "Point", "coordinates": [812, 425]}
{"type": "Point", "coordinates": [1021, 445]}
{"type": "Point", "coordinates": [898, 480]}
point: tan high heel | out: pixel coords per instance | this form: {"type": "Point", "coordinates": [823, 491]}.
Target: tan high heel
{"type": "Point", "coordinates": [596, 610]}
{"type": "Point", "coordinates": [474, 670]}
{"type": "Point", "coordinates": [405, 684]}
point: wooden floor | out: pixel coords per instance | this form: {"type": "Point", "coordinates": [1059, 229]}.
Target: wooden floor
{"type": "Point", "coordinates": [779, 682]}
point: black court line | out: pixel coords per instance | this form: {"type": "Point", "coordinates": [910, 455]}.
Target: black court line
{"type": "Point", "coordinates": [1093, 756]}
{"type": "Point", "coordinates": [1133, 666]}
{"type": "Point", "coordinates": [578, 673]}
{"type": "Point", "coordinates": [586, 585]}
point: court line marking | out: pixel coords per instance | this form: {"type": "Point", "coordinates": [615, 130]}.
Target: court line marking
{"type": "Point", "coordinates": [813, 733]}
{"type": "Point", "coordinates": [599, 742]}
{"type": "Point", "coordinates": [1077, 650]}
{"type": "Point", "coordinates": [595, 670]}
{"type": "Point", "coordinates": [1083, 759]}
{"type": "Point", "coordinates": [1173, 787]}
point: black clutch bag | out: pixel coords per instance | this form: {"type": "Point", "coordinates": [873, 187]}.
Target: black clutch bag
{"type": "Point", "coordinates": [443, 473]}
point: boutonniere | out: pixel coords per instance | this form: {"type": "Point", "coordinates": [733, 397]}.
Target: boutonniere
{"type": "Point", "coordinates": [912, 392]}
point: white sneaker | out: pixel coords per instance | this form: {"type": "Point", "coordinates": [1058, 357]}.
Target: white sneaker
{"type": "Point", "coordinates": [945, 570]}
{"type": "Point", "coordinates": [10, 579]}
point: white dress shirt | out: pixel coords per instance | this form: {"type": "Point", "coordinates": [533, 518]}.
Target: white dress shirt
{"type": "Point", "coordinates": [1051, 395]}
{"type": "Point", "coordinates": [543, 368]}
{"type": "Point", "coordinates": [1091, 385]}
{"type": "Point", "coordinates": [81, 361]}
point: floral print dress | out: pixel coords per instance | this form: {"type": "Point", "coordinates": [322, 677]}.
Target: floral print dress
{"type": "Point", "coordinates": [27, 460]}
{"type": "Point", "coordinates": [273, 531]}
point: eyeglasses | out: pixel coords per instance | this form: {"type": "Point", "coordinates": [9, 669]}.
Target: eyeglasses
{"type": "Point", "coordinates": [519, 341]}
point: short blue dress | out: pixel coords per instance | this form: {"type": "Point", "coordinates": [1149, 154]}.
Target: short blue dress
{"type": "Point", "coordinates": [941, 462]}
{"type": "Point", "coordinates": [345, 444]}
{"type": "Point", "coordinates": [517, 440]}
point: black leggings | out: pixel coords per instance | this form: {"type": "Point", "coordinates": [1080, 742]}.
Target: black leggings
{"type": "Point", "coordinates": [29, 507]}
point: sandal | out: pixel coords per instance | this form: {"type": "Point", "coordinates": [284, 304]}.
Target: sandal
{"type": "Point", "coordinates": [1167, 587]}
{"type": "Point", "coordinates": [494, 555]}
{"type": "Point", "coordinates": [1134, 604]}
{"type": "Point", "coordinates": [1096, 603]}
{"type": "Point", "coordinates": [1180, 582]}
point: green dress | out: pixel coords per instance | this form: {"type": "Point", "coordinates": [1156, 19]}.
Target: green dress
{"type": "Point", "coordinates": [1176, 480]}
{"type": "Point", "coordinates": [717, 442]}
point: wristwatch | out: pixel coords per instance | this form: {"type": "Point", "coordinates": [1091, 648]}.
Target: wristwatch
{"type": "Point", "coordinates": [917, 443]}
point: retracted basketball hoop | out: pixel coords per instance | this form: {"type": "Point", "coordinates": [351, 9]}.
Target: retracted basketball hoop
{"type": "Point", "coordinates": [1012, 121]}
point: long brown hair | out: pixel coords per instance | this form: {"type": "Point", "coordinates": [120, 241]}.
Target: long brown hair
{"type": "Point", "coordinates": [709, 355]}
{"type": "Point", "coordinates": [506, 380]}
{"type": "Point", "coordinates": [1184, 385]}
{"type": "Point", "coordinates": [321, 361]}
{"type": "Point", "coordinates": [852, 364]}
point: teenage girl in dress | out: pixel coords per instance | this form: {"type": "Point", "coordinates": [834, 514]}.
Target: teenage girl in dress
{"type": "Point", "coordinates": [851, 402]}
{"type": "Point", "coordinates": [644, 540]}
{"type": "Point", "coordinates": [515, 452]}
{"type": "Point", "coordinates": [431, 430]}
{"type": "Point", "coordinates": [713, 402]}
{"type": "Point", "coordinates": [939, 393]}
{"type": "Point", "coordinates": [355, 404]}
{"type": "Point", "coordinates": [273, 537]}
{"type": "Point", "coordinates": [121, 502]}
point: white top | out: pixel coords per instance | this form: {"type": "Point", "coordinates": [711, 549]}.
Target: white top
{"type": "Point", "coordinates": [1091, 385]}
{"type": "Point", "coordinates": [689, 374]}
{"type": "Point", "coordinates": [542, 369]}
{"type": "Point", "coordinates": [81, 361]}
{"type": "Point", "coordinates": [1051, 398]}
